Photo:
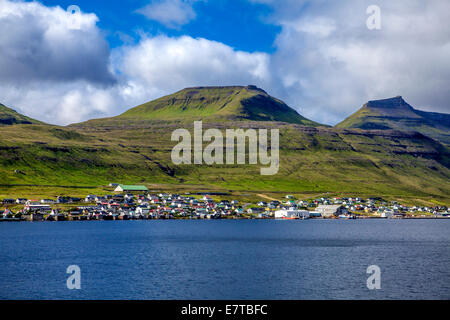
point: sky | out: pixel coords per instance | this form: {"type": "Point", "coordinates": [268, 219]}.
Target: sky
{"type": "Point", "coordinates": [69, 61]}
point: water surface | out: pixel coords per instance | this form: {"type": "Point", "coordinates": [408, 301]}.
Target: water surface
{"type": "Point", "coordinates": [244, 259]}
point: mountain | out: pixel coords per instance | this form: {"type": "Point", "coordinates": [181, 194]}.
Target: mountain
{"type": "Point", "coordinates": [9, 116]}
{"type": "Point", "coordinates": [135, 148]}
{"type": "Point", "coordinates": [232, 103]}
{"type": "Point", "coordinates": [396, 113]}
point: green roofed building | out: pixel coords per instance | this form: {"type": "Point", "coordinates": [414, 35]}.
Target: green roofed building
{"type": "Point", "coordinates": [130, 188]}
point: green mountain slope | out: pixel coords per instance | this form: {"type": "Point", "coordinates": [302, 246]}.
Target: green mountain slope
{"type": "Point", "coordinates": [9, 116]}
{"type": "Point", "coordinates": [313, 160]}
{"type": "Point", "coordinates": [234, 103]}
{"type": "Point", "coordinates": [395, 113]}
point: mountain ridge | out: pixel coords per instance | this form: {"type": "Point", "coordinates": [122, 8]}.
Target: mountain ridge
{"type": "Point", "coordinates": [215, 103]}
{"type": "Point", "coordinates": [319, 159]}
{"type": "Point", "coordinates": [395, 113]}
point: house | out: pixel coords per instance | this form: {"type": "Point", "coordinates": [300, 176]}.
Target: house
{"type": "Point", "coordinates": [36, 206]}
{"type": "Point", "coordinates": [399, 215]}
{"type": "Point", "coordinates": [61, 199]}
{"type": "Point", "coordinates": [47, 201]}
{"type": "Point", "coordinates": [129, 196]}
{"type": "Point", "coordinates": [130, 188]}
{"type": "Point", "coordinates": [21, 201]}
{"type": "Point", "coordinates": [118, 198]}
{"type": "Point", "coordinates": [200, 211]}
{"type": "Point", "coordinates": [386, 214]}
{"type": "Point", "coordinates": [291, 214]}
{"type": "Point", "coordinates": [315, 214]}
{"type": "Point", "coordinates": [328, 211]}
{"type": "Point", "coordinates": [255, 210]}
{"type": "Point", "coordinates": [90, 198]}
{"type": "Point", "coordinates": [291, 203]}
{"type": "Point", "coordinates": [142, 210]}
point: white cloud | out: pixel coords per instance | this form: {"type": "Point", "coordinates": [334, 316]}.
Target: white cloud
{"type": "Point", "coordinates": [163, 64]}
{"type": "Point", "coordinates": [171, 13]}
{"type": "Point", "coordinates": [63, 103]}
{"type": "Point", "coordinates": [61, 75]}
{"type": "Point", "coordinates": [40, 43]}
{"type": "Point", "coordinates": [329, 63]}
{"type": "Point", "coordinates": [318, 27]}
{"type": "Point", "coordinates": [54, 66]}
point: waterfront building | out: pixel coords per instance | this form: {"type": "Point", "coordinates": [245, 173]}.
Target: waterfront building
{"type": "Point", "coordinates": [328, 211]}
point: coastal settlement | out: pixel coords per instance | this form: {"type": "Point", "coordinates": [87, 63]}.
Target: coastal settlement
{"type": "Point", "coordinates": [132, 202]}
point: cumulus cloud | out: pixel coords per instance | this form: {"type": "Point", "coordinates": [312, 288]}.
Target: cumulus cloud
{"type": "Point", "coordinates": [39, 43]}
{"type": "Point", "coordinates": [326, 64]}
{"type": "Point", "coordinates": [64, 103]}
{"type": "Point", "coordinates": [329, 63]}
{"type": "Point", "coordinates": [54, 65]}
{"type": "Point", "coordinates": [163, 64]}
{"type": "Point", "coordinates": [171, 13]}
{"type": "Point", "coordinates": [61, 75]}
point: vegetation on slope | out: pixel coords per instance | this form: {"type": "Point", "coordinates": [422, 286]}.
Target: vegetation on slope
{"type": "Point", "coordinates": [9, 116]}
{"type": "Point", "coordinates": [395, 113]}
{"type": "Point", "coordinates": [210, 104]}
{"type": "Point", "coordinates": [311, 160]}
{"type": "Point", "coordinates": [136, 148]}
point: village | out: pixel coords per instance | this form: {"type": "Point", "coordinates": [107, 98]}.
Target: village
{"type": "Point", "coordinates": [135, 202]}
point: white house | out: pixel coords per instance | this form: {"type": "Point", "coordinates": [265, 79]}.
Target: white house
{"type": "Point", "coordinates": [327, 211]}
{"type": "Point", "coordinates": [47, 201]}
{"type": "Point", "coordinates": [90, 198]}
{"type": "Point", "coordinates": [142, 210]}
{"type": "Point", "coordinates": [291, 214]}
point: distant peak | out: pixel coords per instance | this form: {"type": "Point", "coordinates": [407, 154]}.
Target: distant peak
{"type": "Point", "coordinates": [388, 103]}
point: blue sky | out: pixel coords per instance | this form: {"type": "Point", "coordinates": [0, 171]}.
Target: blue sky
{"type": "Point", "coordinates": [318, 56]}
{"type": "Point", "coordinates": [238, 23]}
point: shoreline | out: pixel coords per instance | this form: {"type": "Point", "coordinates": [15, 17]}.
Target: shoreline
{"type": "Point", "coordinates": [11, 220]}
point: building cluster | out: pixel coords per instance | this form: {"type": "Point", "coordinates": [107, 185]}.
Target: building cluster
{"type": "Point", "coordinates": [134, 202]}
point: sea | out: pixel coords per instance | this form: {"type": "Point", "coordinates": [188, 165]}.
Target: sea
{"type": "Point", "coordinates": [226, 259]}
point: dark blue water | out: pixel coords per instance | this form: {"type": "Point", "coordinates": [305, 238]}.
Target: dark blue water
{"type": "Point", "coordinates": [250, 259]}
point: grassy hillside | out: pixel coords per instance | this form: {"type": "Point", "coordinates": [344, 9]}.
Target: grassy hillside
{"type": "Point", "coordinates": [209, 104]}
{"type": "Point", "coordinates": [312, 160]}
{"type": "Point", "coordinates": [395, 113]}
{"type": "Point", "coordinates": [136, 146]}
{"type": "Point", "coordinates": [8, 117]}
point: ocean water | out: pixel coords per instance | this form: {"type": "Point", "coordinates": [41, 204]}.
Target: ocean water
{"type": "Point", "coordinates": [243, 259]}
